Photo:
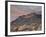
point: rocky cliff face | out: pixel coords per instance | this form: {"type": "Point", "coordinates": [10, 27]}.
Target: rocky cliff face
{"type": "Point", "coordinates": [29, 22]}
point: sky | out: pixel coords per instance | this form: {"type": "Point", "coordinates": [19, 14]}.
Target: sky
{"type": "Point", "coordinates": [19, 10]}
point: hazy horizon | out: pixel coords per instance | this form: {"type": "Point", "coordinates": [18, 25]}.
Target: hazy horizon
{"type": "Point", "coordinates": [19, 10]}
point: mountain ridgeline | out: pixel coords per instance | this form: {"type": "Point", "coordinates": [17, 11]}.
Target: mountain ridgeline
{"type": "Point", "coordinates": [27, 19]}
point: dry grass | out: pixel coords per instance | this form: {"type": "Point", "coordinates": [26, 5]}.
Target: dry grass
{"type": "Point", "coordinates": [32, 27]}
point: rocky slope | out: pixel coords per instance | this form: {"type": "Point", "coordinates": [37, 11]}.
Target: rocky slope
{"type": "Point", "coordinates": [29, 22]}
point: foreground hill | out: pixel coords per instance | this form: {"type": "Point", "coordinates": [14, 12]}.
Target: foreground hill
{"type": "Point", "coordinates": [29, 22]}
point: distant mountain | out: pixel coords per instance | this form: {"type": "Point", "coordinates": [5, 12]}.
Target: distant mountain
{"type": "Point", "coordinates": [27, 19]}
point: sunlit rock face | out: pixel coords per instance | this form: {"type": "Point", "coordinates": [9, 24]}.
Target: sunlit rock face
{"type": "Point", "coordinates": [29, 22]}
